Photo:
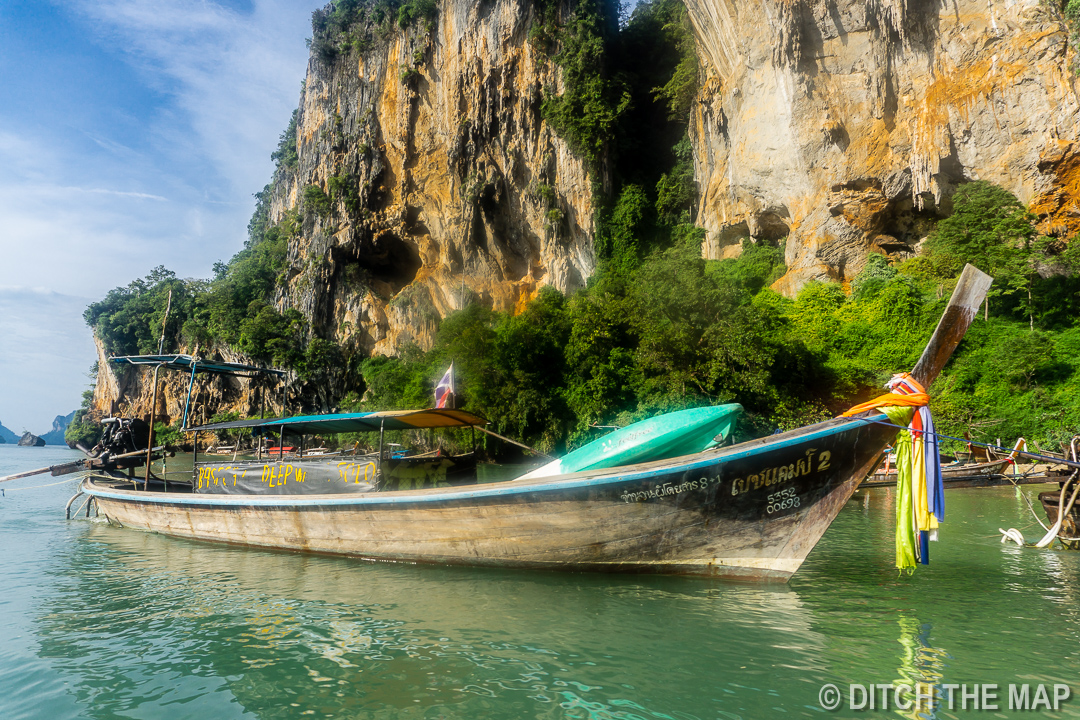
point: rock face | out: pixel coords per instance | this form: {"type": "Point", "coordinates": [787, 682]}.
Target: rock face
{"type": "Point", "coordinates": [444, 180]}
{"type": "Point", "coordinates": [31, 440]}
{"type": "Point", "coordinates": [844, 125]}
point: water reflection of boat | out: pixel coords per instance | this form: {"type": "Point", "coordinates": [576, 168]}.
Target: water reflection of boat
{"type": "Point", "coordinates": [751, 510]}
{"type": "Point", "coordinates": [186, 628]}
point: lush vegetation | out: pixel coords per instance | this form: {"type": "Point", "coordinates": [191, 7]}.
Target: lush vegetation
{"type": "Point", "coordinates": [347, 25]}
{"type": "Point", "coordinates": [1071, 10]}
{"type": "Point", "coordinates": [625, 107]}
{"type": "Point", "coordinates": [588, 111]}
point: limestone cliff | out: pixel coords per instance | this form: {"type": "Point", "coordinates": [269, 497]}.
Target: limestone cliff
{"type": "Point", "coordinates": [844, 124]}
{"type": "Point", "coordinates": [443, 179]}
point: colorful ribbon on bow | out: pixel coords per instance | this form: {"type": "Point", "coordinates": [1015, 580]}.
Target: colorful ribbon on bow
{"type": "Point", "coordinates": [920, 489]}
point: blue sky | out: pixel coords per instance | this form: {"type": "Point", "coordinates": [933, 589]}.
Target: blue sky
{"type": "Point", "coordinates": [132, 134]}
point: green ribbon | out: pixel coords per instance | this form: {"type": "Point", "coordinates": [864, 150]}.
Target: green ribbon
{"type": "Point", "coordinates": [905, 508]}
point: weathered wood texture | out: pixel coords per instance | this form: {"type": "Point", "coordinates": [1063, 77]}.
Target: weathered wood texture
{"type": "Point", "coordinates": [963, 305]}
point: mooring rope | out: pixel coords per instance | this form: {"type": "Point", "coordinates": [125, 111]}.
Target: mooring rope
{"type": "Point", "coordinates": [1012, 534]}
{"type": "Point", "coordinates": [35, 487]}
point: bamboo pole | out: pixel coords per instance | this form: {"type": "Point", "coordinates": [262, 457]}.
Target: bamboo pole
{"type": "Point", "coordinates": [513, 442]}
{"type": "Point", "coordinates": [39, 471]}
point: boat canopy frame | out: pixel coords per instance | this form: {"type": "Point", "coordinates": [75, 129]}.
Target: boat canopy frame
{"type": "Point", "coordinates": [381, 421]}
{"type": "Point", "coordinates": [194, 365]}
{"type": "Point", "coordinates": [183, 362]}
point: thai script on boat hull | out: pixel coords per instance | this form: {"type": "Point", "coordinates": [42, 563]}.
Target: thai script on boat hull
{"type": "Point", "coordinates": [783, 473]}
{"type": "Point", "coordinates": [668, 489]}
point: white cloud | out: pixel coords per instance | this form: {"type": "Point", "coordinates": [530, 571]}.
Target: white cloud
{"type": "Point", "coordinates": [82, 212]}
{"type": "Point", "coordinates": [234, 77]}
{"type": "Point", "coordinates": [119, 193]}
{"type": "Point", "coordinates": [167, 183]}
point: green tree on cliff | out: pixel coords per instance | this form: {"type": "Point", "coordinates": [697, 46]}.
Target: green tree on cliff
{"type": "Point", "coordinates": [991, 228]}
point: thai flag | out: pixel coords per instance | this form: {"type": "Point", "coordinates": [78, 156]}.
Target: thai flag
{"type": "Point", "coordinates": [445, 389]}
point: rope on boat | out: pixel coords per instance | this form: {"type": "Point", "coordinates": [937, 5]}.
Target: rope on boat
{"type": "Point", "coordinates": [35, 487]}
{"type": "Point", "coordinates": [1054, 532]}
{"type": "Point", "coordinates": [1031, 508]}
{"type": "Point", "coordinates": [1063, 512]}
{"type": "Point", "coordinates": [1035, 456]}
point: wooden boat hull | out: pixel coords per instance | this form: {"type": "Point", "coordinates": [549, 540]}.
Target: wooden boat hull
{"type": "Point", "coordinates": [750, 511]}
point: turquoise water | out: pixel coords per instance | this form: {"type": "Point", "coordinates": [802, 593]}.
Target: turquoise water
{"type": "Point", "coordinates": [98, 622]}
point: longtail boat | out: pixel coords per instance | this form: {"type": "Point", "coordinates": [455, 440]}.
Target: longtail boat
{"type": "Point", "coordinates": [750, 510]}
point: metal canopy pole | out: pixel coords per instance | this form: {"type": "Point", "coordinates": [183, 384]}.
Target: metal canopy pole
{"type": "Point", "coordinates": [150, 441]}
{"type": "Point", "coordinates": [378, 469]}
{"type": "Point", "coordinates": [281, 444]}
{"type": "Point", "coordinates": [191, 384]}
{"type": "Point", "coordinates": [285, 397]}
{"type": "Point", "coordinates": [195, 460]}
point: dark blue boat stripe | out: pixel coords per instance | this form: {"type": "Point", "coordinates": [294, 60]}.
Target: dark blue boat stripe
{"type": "Point", "coordinates": [507, 488]}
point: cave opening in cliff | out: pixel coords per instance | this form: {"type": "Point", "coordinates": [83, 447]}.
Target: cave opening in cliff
{"type": "Point", "coordinates": [388, 262]}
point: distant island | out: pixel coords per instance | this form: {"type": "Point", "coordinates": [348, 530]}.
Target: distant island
{"type": "Point", "coordinates": [6, 436]}
{"type": "Point", "coordinates": [55, 436]}
{"type": "Point", "coordinates": [59, 426]}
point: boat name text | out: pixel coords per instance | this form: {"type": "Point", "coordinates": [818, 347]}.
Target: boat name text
{"type": "Point", "coordinates": [782, 473]}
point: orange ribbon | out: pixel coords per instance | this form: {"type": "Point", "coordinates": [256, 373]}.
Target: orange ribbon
{"type": "Point", "coordinates": [915, 399]}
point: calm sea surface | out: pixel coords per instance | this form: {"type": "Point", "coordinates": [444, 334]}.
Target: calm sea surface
{"type": "Point", "coordinates": [98, 622]}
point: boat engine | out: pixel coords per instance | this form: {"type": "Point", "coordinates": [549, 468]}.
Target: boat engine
{"type": "Point", "coordinates": [121, 435]}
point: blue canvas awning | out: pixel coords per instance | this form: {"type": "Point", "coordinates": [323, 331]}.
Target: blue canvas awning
{"type": "Point", "coordinates": [356, 422]}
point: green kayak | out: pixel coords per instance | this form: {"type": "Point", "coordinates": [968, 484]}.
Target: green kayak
{"type": "Point", "coordinates": [665, 436]}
